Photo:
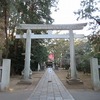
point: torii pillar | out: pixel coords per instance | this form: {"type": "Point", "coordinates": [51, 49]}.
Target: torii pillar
{"type": "Point", "coordinates": [27, 56]}
{"type": "Point", "coordinates": [72, 56]}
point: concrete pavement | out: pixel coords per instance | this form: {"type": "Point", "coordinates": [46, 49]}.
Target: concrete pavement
{"type": "Point", "coordinates": [82, 94]}
{"type": "Point", "coordinates": [19, 95]}
{"type": "Point", "coordinates": [50, 88]}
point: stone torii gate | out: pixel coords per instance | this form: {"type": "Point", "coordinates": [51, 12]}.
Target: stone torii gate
{"type": "Point", "coordinates": [30, 36]}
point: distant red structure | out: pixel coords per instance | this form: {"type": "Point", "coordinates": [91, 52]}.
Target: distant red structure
{"type": "Point", "coordinates": [50, 60]}
{"type": "Point", "coordinates": [51, 57]}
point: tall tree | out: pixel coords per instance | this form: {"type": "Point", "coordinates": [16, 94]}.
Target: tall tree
{"type": "Point", "coordinates": [89, 9]}
{"type": "Point", "coordinates": [5, 15]}
{"type": "Point", "coordinates": [36, 11]}
{"type": "Point", "coordinates": [95, 43]}
{"type": "Point", "coordinates": [33, 12]}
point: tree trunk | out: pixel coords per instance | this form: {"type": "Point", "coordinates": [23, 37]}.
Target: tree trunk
{"type": "Point", "coordinates": [5, 27]}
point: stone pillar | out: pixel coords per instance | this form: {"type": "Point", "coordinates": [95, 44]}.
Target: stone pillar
{"type": "Point", "coordinates": [72, 56]}
{"type": "Point", "coordinates": [95, 75]}
{"type": "Point", "coordinates": [38, 67]}
{"type": "Point", "coordinates": [27, 56]}
{"type": "Point", "coordinates": [5, 74]}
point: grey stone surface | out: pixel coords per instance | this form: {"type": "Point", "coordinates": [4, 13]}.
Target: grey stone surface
{"type": "Point", "coordinates": [50, 88]}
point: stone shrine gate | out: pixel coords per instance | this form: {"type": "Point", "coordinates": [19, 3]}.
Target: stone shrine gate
{"type": "Point", "coordinates": [29, 36]}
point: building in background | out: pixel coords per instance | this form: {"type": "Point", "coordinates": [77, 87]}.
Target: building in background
{"type": "Point", "coordinates": [50, 60]}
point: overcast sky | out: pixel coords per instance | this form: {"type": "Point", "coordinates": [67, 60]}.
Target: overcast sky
{"type": "Point", "coordinates": [65, 13]}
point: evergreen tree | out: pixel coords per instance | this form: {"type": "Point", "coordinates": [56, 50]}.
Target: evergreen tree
{"type": "Point", "coordinates": [16, 12]}
{"type": "Point", "coordinates": [89, 9]}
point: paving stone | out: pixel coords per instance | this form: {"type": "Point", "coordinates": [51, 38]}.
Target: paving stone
{"type": "Point", "coordinates": [58, 98]}
{"type": "Point", "coordinates": [50, 98]}
{"type": "Point", "coordinates": [43, 97]}
{"type": "Point", "coordinates": [50, 95]}
{"type": "Point", "coordinates": [34, 98]}
{"type": "Point", "coordinates": [57, 95]}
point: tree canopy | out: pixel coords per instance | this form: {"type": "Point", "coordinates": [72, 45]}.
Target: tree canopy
{"type": "Point", "coordinates": [15, 12]}
{"type": "Point", "coordinates": [89, 9]}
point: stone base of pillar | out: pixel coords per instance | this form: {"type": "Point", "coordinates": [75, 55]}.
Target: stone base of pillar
{"type": "Point", "coordinates": [74, 81]}
{"type": "Point", "coordinates": [23, 81]}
